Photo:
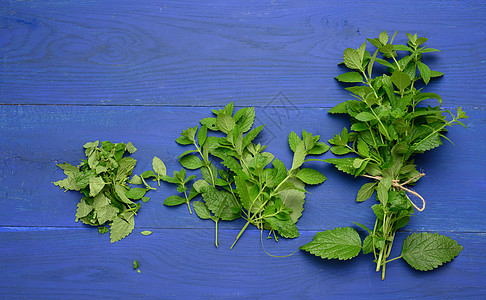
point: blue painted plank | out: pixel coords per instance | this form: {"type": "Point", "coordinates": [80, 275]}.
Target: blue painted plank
{"type": "Point", "coordinates": [175, 264]}
{"type": "Point", "coordinates": [35, 138]}
{"type": "Point", "coordinates": [206, 53]}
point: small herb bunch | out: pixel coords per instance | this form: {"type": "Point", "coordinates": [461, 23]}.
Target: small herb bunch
{"type": "Point", "coordinates": [388, 128]}
{"type": "Point", "coordinates": [255, 185]}
{"type": "Point", "coordinates": [102, 178]}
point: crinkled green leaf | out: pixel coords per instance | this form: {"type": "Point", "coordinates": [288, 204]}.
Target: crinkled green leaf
{"type": "Point", "coordinates": [122, 226]}
{"type": "Point", "coordinates": [285, 228]}
{"type": "Point", "coordinates": [339, 243]}
{"type": "Point", "coordinates": [427, 251]}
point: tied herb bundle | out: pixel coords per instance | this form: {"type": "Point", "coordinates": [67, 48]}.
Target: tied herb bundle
{"type": "Point", "coordinates": [254, 185]}
{"type": "Point", "coordinates": [388, 128]}
{"type": "Point", "coordinates": [102, 178]}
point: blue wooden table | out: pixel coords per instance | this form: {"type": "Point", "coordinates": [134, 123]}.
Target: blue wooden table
{"type": "Point", "coordinates": [142, 71]}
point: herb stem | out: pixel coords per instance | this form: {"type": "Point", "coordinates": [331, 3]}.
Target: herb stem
{"type": "Point", "coordinates": [240, 233]}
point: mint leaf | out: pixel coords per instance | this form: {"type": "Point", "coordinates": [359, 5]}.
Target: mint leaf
{"type": "Point", "coordinates": [342, 164]}
{"type": "Point", "coordinates": [159, 166]}
{"type": "Point", "coordinates": [294, 200]}
{"type": "Point", "coordinates": [427, 251]}
{"type": "Point", "coordinates": [366, 191]}
{"type": "Point", "coordinates": [244, 118]}
{"type": "Point", "coordinates": [352, 59]}
{"type": "Point", "coordinates": [146, 232]}
{"type": "Point", "coordinates": [121, 226]}
{"type": "Point", "coordinates": [401, 80]}
{"type": "Point", "coordinates": [201, 210]}
{"type": "Point", "coordinates": [294, 140]}
{"type": "Point", "coordinates": [174, 200]}
{"type": "Point", "coordinates": [299, 155]}
{"type": "Point", "coordinates": [365, 116]}
{"type": "Point", "coordinates": [311, 176]}
{"type": "Point", "coordinates": [350, 77]}
{"type": "Point", "coordinates": [225, 123]}
{"type": "Point", "coordinates": [285, 228]}
{"type": "Point", "coordinates": [339, 243]}
{"type": "Point", "coordinates": [191, 162]}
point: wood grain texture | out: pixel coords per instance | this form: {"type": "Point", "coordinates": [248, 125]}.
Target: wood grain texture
{"type": "Point", "coordinates": [78, 71]}
{"type": "Point", "coordinates": [206, 53]}
{"type": "Point", "coordinates": [175, 264]}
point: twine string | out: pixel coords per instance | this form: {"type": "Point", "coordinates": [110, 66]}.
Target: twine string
{"type": "Point", "coordinates": [396, 183]}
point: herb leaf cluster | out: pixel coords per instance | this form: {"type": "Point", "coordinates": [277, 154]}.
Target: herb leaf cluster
{"type": "Point", "coordinates": [250, 183]}
{"type": "Point", "coordinates": [389, 126]}
{"type": "Point", "coordinates": [102, 178]}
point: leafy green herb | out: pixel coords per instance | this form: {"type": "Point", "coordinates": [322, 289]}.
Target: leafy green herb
{"type": "Point", "coordinates": [103, 180]}
{"type": "Point", "coordinates": [253, 184]}
{"type": "Point", "coordinates": [146, 232]}
{"type": "Point", "coordinates": [389, 126]}
{"type": "Point", "coordinates": [136, 266]}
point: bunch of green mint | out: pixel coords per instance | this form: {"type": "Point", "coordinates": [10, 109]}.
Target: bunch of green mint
{"type": "Point", "coordinates": [388, 128]}
{"type": "Point", "coordinates": [254, 185]}
{"type": "Point", "coordinates": [102, 178]}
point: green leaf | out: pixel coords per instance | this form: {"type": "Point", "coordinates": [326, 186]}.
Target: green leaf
{"type": "Point", "coordinates": [352, 59]}
{"type": "Point", "coordinates": [136, 180]}
{"type": "Point", "coordinates": [68, 183]}
{"type": "Point", "coordinates": [191, 162]}
{"type": "Point", "coordinates": [365, 116]}
{"type": "Point", "coordinates": [299, 155]}
{"type": "Point", "coordinates": [366, 191]}
{"type": "Point", "coordinates": [182, 140]}
{"type": "Point", "coordinates": [342, 164]}
{"type": "Point", "coordinates": [103, 229]}
{"type": "Point", "coordinates": [342, 243]}
{"type": "Point", "coordinates": [368, 244]}
{"type": "Point", "coordinates": [340, 150]}
{"type": "Point", "coordinates": [319, 148]}
{"type": "Point", "coordinates": [350, 77]}
{"type": "Point", "coordinates": [311, 176]}
{"type": "Point", "coordinates": [294, 200]}
{"type": "Point", "coordinates": [427, 251]}
{"type": "Point", "coordinates": [136, 193]}
{"type": "Point", "coordinates": [225, 123]}
{"type": "Point", "coordinates": [121, 193]}
{"type": "Point", "coordinates": [174, 200]}
{"type": "Point", "coordinates": [285, 228]}
{"type": "Point", "coordinates": [220, 203]}
{"type": "Point", "coordinates": [146, 232]}
{"type": "Point", "coordinates": [363, 148]}
{"type": "Point", "coordinates": [424, 72]}
{"type": "Point", "coordinates": [201, 210]}
{"type": "Point", "coordinates": [401, 80]}
{"type": "Point", "coordinates": [250, 136]}
{"type": "Point", "coordinates": [83, 209]}
{"type": "Point", "coordinates": [159, 166]}
{"type": "Point", "coordinates": [136, 265]}
{"type": "Point", "coordinates": [244, 118]}
{"type": "Point", "coordinates": [148, 174]}
{"type": "Point", "coordinates": [294, 140]}
{"type": "Point", "coordinates": [122, 226]}
{"type": "Point", "coordinates": [430, 142]}
{"type": "Point", "coordinates": [383, 38]}
{"type": "Point", "coordinates": [125, 168]}
{"type": "Point", "coordinates": [131, 148]}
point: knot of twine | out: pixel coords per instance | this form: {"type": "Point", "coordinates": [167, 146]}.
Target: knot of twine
{"type": "Point", "coordinates": [396, 183]}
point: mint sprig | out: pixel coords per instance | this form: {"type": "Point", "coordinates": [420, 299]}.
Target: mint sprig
{"type": "Point", "coordinates": [251, 184]}
{"type": "Point", "coordinates": [389, 126]}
